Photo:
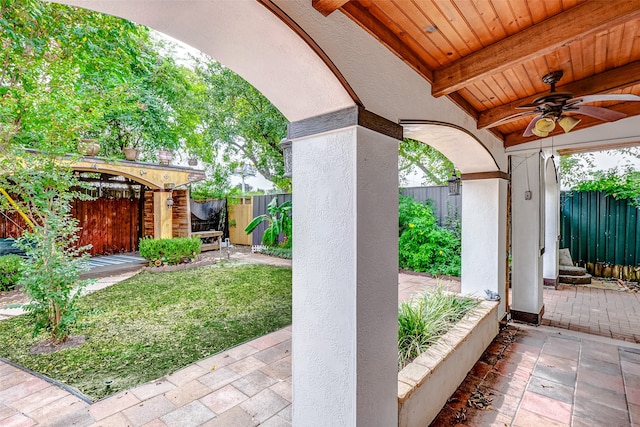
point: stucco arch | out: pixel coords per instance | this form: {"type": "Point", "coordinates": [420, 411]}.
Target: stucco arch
{"type": "Point", "coordinates": [466, 152]}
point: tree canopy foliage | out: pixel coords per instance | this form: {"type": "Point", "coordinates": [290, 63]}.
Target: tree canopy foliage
{"type": "Point", "coordinates": [416, 156]}
{"type": "Point", "coordinates": [578, 172]}
{"type": "Point", "coordinates": [69, 73]}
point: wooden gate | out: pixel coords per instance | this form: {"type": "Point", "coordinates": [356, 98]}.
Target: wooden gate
{"type": "Point", "coordinates": [109, 225]}
{"type": "Point", "coordinates": [239, 217]}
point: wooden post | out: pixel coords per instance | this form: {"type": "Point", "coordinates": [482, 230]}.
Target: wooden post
{"type": "Point", "coordinates": [162, 221]}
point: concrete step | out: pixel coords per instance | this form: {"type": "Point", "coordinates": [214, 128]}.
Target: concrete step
{"type": "Point", "coordinates": [569, 270]}
{"type": "Point", "coordinates": [575, 280]}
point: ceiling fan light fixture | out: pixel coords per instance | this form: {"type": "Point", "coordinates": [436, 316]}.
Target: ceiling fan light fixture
{"type": "Point", "coordinates": [568, 123]}
{"type": "Point", "coordinates": [539, 133]}
{"type": "Point", "coordinates": [545, 125]}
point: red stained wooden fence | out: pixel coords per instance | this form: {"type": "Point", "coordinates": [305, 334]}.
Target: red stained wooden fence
{"type": "Point", "coordinates": [110, 225]}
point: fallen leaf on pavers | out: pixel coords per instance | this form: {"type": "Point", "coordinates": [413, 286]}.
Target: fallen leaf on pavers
{"type": "Point", "coordinates": [479, 401]}
{"type": "Point", "coordinates": [461, 415]}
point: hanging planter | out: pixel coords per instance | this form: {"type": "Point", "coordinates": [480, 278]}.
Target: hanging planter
{"type": "Point", "coordinates": [88, 147]}
{"type": "Point", "coordinates": [165, 156]}
{"type": "Point", "coordinates": [131, 154]}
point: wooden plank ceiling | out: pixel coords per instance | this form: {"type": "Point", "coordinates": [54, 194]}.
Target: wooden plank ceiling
{"type": "Point", "coordinates": [489, 56]}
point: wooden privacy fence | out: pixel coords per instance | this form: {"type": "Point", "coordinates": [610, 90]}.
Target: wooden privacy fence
{"type": "Point", "coordinates": [599, 229]}
{"type": "Point", "coordinates": [109, 225]}
{"type": "Point", "coordinates": [445, 206]}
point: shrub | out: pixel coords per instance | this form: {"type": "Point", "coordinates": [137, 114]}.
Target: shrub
{"type": "Point", "coordinates": [10, 266]}
{"type": "Point", "coordinates": [426, 318]}
{"type": "Point", "coordinates": [169, 251]}
{"type": "Point", "coordinates": [277, 251]}
{"type": "Point", "coordinates": [423, 245]}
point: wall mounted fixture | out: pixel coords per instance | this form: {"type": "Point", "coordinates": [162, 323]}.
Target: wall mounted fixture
{"type": "Point", "coordinates": [287, 153]}
{"type": "Point", "coordinates": [454, 184]}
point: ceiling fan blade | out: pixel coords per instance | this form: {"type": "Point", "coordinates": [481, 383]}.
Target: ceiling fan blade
{"type": "Point", "coordinates": [599, 113]}
{"type": "Point", "coordinates": [604, 97]}
{"type": "Point", "coordinates": [509, 118]}
{"type": "Point", "coordinates": [525, 106]}
{"type": "Point", "coordinates": [532, 123]}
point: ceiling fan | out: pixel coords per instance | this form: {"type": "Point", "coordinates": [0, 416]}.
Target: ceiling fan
{"type": "Point", "coordinates": [561, 108]}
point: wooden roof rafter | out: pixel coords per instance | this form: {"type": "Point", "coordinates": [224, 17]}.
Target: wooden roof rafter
{"type": "Point", "coordinates": [538, 40]}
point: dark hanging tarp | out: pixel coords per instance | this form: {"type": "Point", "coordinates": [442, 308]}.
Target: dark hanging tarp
{"type": "Point", "coordinates": [210, 215]}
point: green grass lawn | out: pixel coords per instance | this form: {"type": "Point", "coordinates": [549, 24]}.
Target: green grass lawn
{"type": "Point", "coordinates": [155, 323]}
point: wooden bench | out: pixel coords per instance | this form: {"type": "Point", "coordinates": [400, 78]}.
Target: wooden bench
{"type": "Point", "coordinates": [210, 234]}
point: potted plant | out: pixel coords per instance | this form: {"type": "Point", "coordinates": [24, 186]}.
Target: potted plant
{"type": "Point", "coordinates": [165, 156]}
{"type": "Point", "coordinates": [131, 153]}
{"type": "Point", "coordinates": [88, 146]}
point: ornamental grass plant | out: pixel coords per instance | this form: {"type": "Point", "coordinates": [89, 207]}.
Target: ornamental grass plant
{"type": "Point", "coordinates": [427, 317]}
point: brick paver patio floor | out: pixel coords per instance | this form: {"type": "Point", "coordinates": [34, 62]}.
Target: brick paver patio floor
{"type": "Point", "coordinates": [534, 377]}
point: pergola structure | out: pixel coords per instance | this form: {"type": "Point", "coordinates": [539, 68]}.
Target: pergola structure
{"type": "Point", "coordinates": [354, 78]}
{"type": "Point", "coordinates": [162, 179]}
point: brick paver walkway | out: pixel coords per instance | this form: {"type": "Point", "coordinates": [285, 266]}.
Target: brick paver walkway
{"type": "Point", "coordinates": [541, 377]}
{"type": "Point", "coordinates": [596, 311]}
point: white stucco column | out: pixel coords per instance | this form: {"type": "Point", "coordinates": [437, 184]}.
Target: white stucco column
{"type": "Point", "coordinates": [527, 239]}
{"type": "Point", "coordinates": [484, 241]}
{"type": "Point", "coordinates": [345, 272]}
{"type": "Point", "coordinates": [550, 265]}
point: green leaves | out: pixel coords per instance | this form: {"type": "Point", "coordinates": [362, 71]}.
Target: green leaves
{"type": "Point", "coordinates": [10, 271]}
{"type": "Point", "coordinates": [621, 185]}
{"type": "Point", "coordinates": [415, 156]}
{"type": "Point", "coordinates": [169, 251]}
{"type": "Point", "coordinates": [423, 245]}
{"type": "Point", "coordinates": [240, 123]}
{"type": "Point", "coordinates": [279, 223]}
{"type": "Point", "coordinates": [424, 319]}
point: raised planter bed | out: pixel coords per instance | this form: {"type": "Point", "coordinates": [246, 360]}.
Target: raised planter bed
{"type": "Point", "coordinates": [425, 384]}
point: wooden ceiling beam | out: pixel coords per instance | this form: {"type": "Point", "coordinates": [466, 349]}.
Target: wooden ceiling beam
{"type": "Point", "coordinates": [543, 38]}
{"type": "Point", "coordinates": [327, 7]}
{"type": "Point", "coordinates": [629, 108]}
{"type": "Point", "coordinates": [609, 81]}
{"type": "Point", "coordinates": [359, 14]}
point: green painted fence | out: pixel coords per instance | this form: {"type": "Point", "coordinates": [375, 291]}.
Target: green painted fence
{"type": "Point", "coordinates": [597, 228]}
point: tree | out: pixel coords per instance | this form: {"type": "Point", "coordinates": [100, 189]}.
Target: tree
{"type": "Point", "coordinates": [43, 191]}
{"type": "Point", "coordinates": [69, 73]}
{"type": "Point", "coordinates": [580, 172]}
{"type": "Point", "coordinates": [433, 164]}
{"type": "Point", "coordinates": [240, 124]}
